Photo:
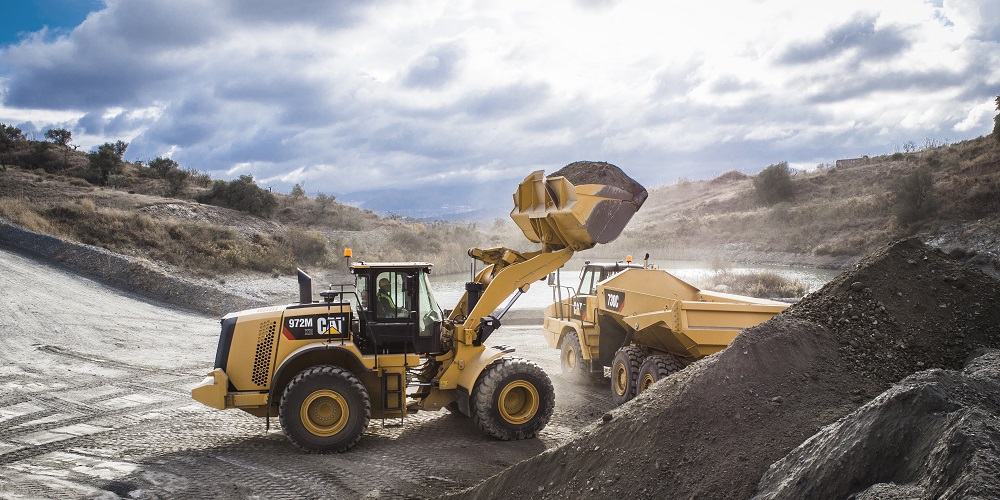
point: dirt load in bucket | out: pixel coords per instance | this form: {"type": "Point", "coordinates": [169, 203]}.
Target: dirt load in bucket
{"type": "Point", "coordinates": [599, 172]}
{"type": "Point", "coordinates": [886, 377]}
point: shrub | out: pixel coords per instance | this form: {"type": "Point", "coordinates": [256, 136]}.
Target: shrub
{"type": "Point", "coordinates": [176, 179]}
{"type": "Point", "coordinates": [764, 284]}
{"type": "Point", "coordinates": [913, 196]}
{"type": "Point", "coordinates": [242, 194]}
{"type": "Point", "coordinates": [774, 184]}
{"type": "Point", "coordinates": [307, 247]}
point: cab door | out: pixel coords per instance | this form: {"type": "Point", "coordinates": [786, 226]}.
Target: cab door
{"type": "Point", "coordinates": [586, 294]}
{"type": "Point", "coordinates": [392, 309]}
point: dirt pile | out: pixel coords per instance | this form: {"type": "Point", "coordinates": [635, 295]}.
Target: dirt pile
{"type": "Point", "coordinates": [599, 172]}
{"type": "Point", "coordinates": [933, 435]}
{"type": "Point", "coordinates": [714, 429]}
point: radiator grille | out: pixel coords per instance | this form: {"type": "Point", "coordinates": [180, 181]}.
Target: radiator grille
{"type": "Point", "coordinates": [262, 359]}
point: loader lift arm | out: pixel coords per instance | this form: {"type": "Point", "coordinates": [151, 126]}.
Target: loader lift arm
{"type": "Point", "coordinates": [564, 215]}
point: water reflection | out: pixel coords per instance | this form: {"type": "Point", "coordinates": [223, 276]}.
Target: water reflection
{"type": "Point", "coordinates": [448, 289]}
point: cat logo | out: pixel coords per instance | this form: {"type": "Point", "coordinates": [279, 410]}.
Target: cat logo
{"type": "Point", "coordinates": [580, 308]}
{"type": "Point", "coordinates": [313, 327]}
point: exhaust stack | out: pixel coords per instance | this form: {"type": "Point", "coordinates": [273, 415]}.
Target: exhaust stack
{"type": "Point", "coordinates": [305, 287]}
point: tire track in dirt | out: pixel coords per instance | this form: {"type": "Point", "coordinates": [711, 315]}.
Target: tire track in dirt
{"type": "Point", "coordinates": [96, 402]}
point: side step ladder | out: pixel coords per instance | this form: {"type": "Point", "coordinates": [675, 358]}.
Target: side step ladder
{"type": "Point", "coordinates": [393, 397]}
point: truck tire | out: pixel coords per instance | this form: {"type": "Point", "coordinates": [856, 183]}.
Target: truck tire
{"type": "Point", "coordinates": [512, 399]}
{"type": "Point", "coordinates": [571, 359]}
{"type": "Point", "coordinates": [625, 372]}
{"type": "Point", "coordinates": [656, 368]}
{"type": "Point", "coordinates": [324, 409]}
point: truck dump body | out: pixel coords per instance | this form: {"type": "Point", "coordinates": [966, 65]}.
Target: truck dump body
{"type": "Point", "coordinates": [669, 314]}
{"type": "Point", "coordinates": [645, 324]}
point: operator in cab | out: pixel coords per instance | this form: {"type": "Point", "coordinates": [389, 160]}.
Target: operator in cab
{"type": "Point", "coordinates": [386, 307]}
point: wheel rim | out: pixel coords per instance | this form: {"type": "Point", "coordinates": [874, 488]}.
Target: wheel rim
{"type": "Point", "coordinates": [647, 380]}
{"type": "Point", "coordinates": [518, 402]}
{"type": "Point", "coordinates": [324, 413]}
{"type": "Point", "coordinates": [569, 360]}
{"type": "Point", "coordinates": [621, 379]}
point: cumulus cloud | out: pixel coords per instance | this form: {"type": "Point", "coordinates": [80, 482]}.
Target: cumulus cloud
{"type": "Point", "coordinates": [859, 35]}
{"type": "Point", "coordinates": [345, 94]}
{"type": "Point", "coordinates": [435, 67]}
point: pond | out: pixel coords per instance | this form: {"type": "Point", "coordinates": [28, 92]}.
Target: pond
{"type": "Point", "coordinates": [448, 288]}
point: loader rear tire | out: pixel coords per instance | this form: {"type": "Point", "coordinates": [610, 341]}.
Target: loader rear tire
{"type": "Point", "coordinates": [324, 409]}
{"type": "Point", "coordinates": [656, 368]}
{"type": "Point", "coordinates": [512, 399]}
{"type": "Point", "coordinates": [573, 365]}
{"type": "Point", "coordinates": [625, 373]}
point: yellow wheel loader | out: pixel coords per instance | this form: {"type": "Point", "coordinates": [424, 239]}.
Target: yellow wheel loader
{"type": "Point", "coordinates": [639, 324]}
{"type": "Point", "coordinates": [382, 347]}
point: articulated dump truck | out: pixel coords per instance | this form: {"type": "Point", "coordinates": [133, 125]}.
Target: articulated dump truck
{"type": "Point", "coordinates": [382, 348]}
{"type": "Point", "coordinates": [643, 323]}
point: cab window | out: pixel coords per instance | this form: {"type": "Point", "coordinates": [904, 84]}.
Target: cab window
{"type": "Point", "coordinates": [361, 284]}
{"type": "Point", "coordinates": [588, 282]}
{"type": "Point", "coordinates": [430, 312]}
{"type": "Point", "coordinates": [391, 300]}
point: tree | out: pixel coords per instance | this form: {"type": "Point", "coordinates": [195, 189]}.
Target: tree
{"type": "Point", "coordinates": [107, 160]}
{"type": "Point", "coordinates": [298, 191]}
{"type": "Point", "coordinates": [996, 122]}
{"type": "Point", "coordinates": [9, 135]}
{"type": "Point", "coordinates": [914, 196]}
{"type": "Point", "coordinates": [61, 137]}
{"type": "Point", "coordinates": [774, 184]}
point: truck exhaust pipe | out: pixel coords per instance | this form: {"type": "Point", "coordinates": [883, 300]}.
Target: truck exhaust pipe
{"type": "Point", "coordinates": [305, 287]}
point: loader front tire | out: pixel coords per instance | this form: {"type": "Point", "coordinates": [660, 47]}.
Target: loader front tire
{"type": "Point", "coordinates": [324, 409]}
{"type": "Point", "coordinates": [625, 373]}
{"type": "Point", "coordinates": [512, 399]}
{"type": "Point", "coordinates": [656, 368]}
{"type": "Point", "coordinates": [573, 365]}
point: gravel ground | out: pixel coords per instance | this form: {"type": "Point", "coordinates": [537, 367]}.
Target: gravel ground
{"type": "Point", "coordinates": [95, 403]}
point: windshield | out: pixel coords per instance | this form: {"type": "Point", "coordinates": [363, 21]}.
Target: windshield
{"type": "Point", "coordinates": [430, 312]}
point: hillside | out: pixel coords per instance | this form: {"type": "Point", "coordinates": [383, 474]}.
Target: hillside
{"type": "Point", "coordinates": [835, 216]}
{"type": "Point", "coordinates": [169, 216]}
{"type": "Point", "coordinates": [157, 211]}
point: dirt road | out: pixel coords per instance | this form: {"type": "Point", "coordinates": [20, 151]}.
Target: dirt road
{"type": "Point", "coordinates": [94, 402]}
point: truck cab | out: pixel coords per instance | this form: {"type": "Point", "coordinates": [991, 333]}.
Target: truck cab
{"type": "Point", "coordinates": [569, 320]}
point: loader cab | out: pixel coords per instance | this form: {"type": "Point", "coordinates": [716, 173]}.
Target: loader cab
{"type": "Point", "coordinates": [397, 310]}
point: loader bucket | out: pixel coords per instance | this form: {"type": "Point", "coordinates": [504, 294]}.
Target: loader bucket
{"type": "Point", "coordinates": [579, 206]}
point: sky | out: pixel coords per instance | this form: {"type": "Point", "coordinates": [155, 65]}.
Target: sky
{"type": "Point", "coordinates": [457, 101]}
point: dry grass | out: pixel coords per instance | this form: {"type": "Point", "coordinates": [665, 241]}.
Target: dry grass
{"type": "Point", "coordinates": [763, 284]}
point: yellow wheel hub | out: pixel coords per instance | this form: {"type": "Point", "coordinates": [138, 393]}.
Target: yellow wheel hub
{"type": "Point", "coordinates": [518, 402]}
{"type": "Point", "coordinates": [647, 380]}
{"type": "Point", "coordinates": [324, 413]}
{"type": "Point", "coordinates": [621, 379]}
{"type": "Point", "coordinates": [570, 361]}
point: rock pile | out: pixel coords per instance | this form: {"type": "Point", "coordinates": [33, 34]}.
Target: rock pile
{"type": "Point", "coordinates": [890, 333]}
